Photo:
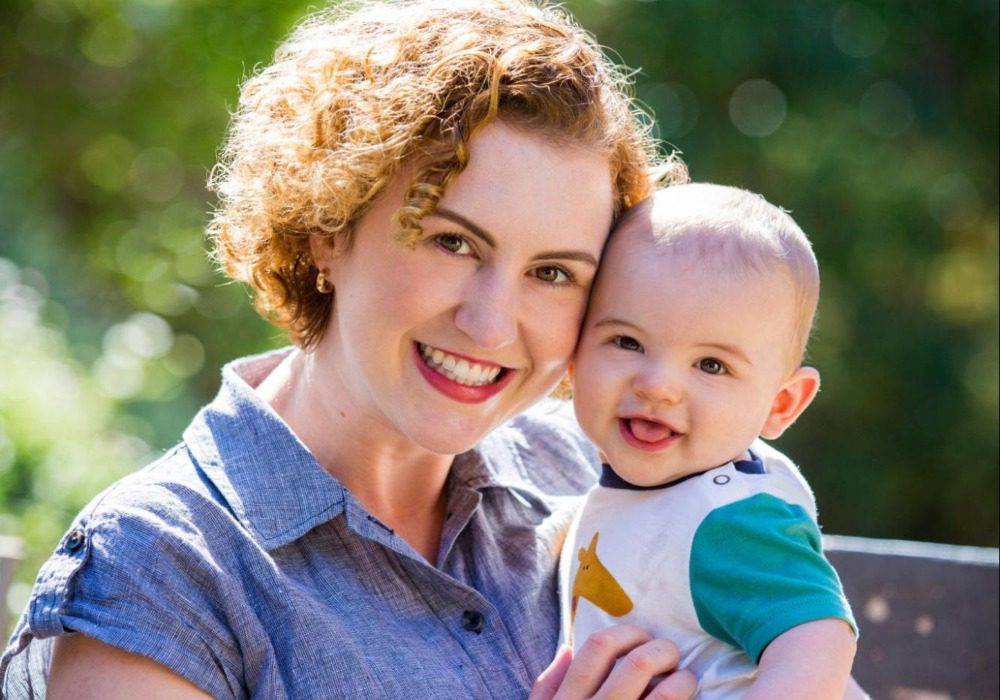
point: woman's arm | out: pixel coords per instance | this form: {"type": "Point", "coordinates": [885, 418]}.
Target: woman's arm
{"type": "Point", "coordinates": [810, 661]}
{"type": "Point", "coordinates": [85, 669]}
{"type": "Point", "coordinates": [593, 673]}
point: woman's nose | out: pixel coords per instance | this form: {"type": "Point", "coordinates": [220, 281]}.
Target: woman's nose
{"type": "Point", "coordinates": [656, 382]}
{"type": "Point", "coordinates": [488, 313]}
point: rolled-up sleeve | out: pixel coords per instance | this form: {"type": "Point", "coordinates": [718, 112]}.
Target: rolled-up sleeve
{"type": "Point", "coordinates": [138, 579]}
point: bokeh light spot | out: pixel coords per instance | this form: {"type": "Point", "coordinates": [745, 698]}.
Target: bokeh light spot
{"type": "Point", "coordinates": [886, 109]}
{"type": "Point", "coordinates": [982, 376]}
{"type": "Point", "coordinates": [41, 36]}
{"type": "Point", "coordinates": [8, 453]}
{"type": "Point", "coordinates": [221, 302]}
{"type": "Point", "coordinates": [135, 258]}
{"type": "Point", "coordinates": [757, 108]}
{"type": "Point", "coordinates": [18, 596]}
{"type": "Point", "coordinates": [55, 10]}
{"type": "Point", "coordinates": [157, 174]}
{"type": "Point", "coordinates": [962, 286]}
{"type": "Point", "coordinates": [119, 376]}
{"type": "Point", "coordinates": [675, 107]}
{"type": "Point", "coordinates": [147, 335]}
{"type": "Point", "coordinates": [106, 162]}
{"type": "Point", "coordinates": [110, 42]}
{"type": "Point", "coordinates": [857, 30]}
{"type": "Point", "coordinates": [186, 356]}
{"type": "Point", "coordinates": [169, 298]}
{"type": "Point", "coordinates": [954, 201]}
{"type": "Point", "coordinates": [9, 53]}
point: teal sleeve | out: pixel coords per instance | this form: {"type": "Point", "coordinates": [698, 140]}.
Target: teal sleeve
{"type": "Point", "coordinates": [757, 570]}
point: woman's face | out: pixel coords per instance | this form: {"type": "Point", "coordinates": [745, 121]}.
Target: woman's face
{"type": "Point", "coordinates": [441, 343]}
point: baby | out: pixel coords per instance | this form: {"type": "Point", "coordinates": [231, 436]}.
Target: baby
{"type": "Point", "coordinates": [698, 532]}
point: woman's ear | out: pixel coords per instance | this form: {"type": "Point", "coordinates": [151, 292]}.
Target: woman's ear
{"type": "Point", "coordinates": [564, 389]}
{"type": "Point", "coordinates": [321, 248]}
{"type": "Point", "coordinates": [792, 399]}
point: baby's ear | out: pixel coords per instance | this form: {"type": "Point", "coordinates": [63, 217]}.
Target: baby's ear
{"type": "Point", "coordinates": [792, 399]}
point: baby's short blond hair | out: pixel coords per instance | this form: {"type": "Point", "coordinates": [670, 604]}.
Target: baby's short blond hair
{"type": "Point", "coordinates": [729, 230]}
{"type": "Point", "coordinates": [355, 93]}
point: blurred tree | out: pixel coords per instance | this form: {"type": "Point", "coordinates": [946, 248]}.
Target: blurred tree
{"type": "Point", "coordinates": [61, 441]}
{"type": "Point", "coordinates": [874, 122]}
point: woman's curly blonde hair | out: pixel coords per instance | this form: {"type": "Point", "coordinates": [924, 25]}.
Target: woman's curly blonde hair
{"type": "Point", "coordinates": [355, 93]}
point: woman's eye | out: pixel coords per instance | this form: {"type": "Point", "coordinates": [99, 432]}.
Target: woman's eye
{"type": "Point", "coordinates": [453, 243]}
{"type": "Point", "coordinates": [627, 343]}
{"type": "Point", "coordinates": [710, 365]}
{"type": "Point", "coordinates": [552, 274]}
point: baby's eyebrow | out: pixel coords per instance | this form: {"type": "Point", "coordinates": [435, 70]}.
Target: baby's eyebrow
{"type": "Point", "coordinates": [730, 350]}
{"type": "Point", "coordinates": [615, 321]}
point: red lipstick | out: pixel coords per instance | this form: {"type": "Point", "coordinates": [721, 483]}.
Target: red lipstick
{"type": "Point", "coordinates": [462, 392]}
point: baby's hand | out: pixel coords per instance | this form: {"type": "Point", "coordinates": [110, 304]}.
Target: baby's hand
{"type": "Point", "coordinates": [595, 674]}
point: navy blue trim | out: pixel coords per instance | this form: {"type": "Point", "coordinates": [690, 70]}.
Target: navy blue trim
{"type": "Point", "coordinates": [754, 465]}
{"type": "Point", "coordinates": [611, 479]}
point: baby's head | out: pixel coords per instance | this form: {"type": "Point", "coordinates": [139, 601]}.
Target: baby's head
{"type": "Point", "coordinates": [694, 338]}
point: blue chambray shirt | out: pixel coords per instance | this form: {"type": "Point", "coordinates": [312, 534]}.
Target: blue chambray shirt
{"type": "Point", "coordinates": [238, 562]}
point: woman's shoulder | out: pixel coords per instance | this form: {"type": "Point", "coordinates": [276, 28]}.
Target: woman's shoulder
{"type": "Point", "coordinates": [169, 490]}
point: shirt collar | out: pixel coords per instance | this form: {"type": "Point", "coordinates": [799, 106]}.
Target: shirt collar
{"type": "Point", "coordinates": [611, 479]}
{"type": "Point", "coordinates": [498, 462]}
{"type": "Point", "coordinates": [275, 486]}
{"type": "Point", "coordinates": [272, 483]}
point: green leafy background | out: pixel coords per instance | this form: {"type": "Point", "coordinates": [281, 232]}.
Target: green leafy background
{"type": "Point", "coordinates": [875, 123]}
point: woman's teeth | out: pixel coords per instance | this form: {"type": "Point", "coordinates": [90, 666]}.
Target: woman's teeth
{"type": "Point", "coordinates": [457, 369]}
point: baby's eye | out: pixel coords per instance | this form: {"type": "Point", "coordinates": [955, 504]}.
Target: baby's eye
{"type": "Point", "coordinates": [626, 342]}
{"type": "Point", "coordinates": [453, 243]}
{"type": "Point", "coordinates": [553, 274]}
{"type": "Point", "coordinates": [710, 365]}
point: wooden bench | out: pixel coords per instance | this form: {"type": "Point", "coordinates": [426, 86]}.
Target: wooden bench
{"type": "Point", "coordinates": [10, 554]}
{"type": "Point", "coordinates": [928, 615]}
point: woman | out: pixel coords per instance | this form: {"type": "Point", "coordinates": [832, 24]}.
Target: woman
{"type": "Point", "coordinates": [419, 194]}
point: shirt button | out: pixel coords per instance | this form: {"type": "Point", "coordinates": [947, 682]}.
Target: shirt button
{"type": "Point", "coordinates": [472, 621]}
{"type": "Point", "coordinates": [74, 541]}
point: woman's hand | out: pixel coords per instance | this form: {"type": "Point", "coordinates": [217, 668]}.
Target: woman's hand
{"type": "Point", "coordinates": [593, 673]}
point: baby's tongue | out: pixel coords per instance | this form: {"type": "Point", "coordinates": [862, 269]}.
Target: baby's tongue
{"type": "Point", "coordinates": [648, 431]}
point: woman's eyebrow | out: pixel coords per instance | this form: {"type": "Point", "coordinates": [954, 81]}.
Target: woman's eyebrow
{"type": "Point", "coordinates": [474, 229]}
{"type": "Point", "coordinates": [580, 255]}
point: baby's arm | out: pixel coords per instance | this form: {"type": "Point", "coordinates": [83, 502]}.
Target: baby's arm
{"type": "Point", "coordinates": [811, 661]}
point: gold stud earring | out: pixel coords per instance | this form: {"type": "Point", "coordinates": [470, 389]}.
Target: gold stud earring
{"type": "Point", "coordinates": [323, 285]}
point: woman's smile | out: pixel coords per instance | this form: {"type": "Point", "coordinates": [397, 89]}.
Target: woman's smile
{"type": "Point", "coordinates": [461, 378]}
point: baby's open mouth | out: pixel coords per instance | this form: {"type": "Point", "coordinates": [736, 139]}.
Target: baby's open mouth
{"type": "Point", "coordinates": [459, 369]}
{"type": "Point", "coordinates": [647, 430]}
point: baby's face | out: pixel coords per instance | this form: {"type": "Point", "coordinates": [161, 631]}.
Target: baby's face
{"type": "Point", "coordinates": [678, 365]}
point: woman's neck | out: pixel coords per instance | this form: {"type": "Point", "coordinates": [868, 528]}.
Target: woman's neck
{"type": "Point", "coordinates": [396, 480]}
